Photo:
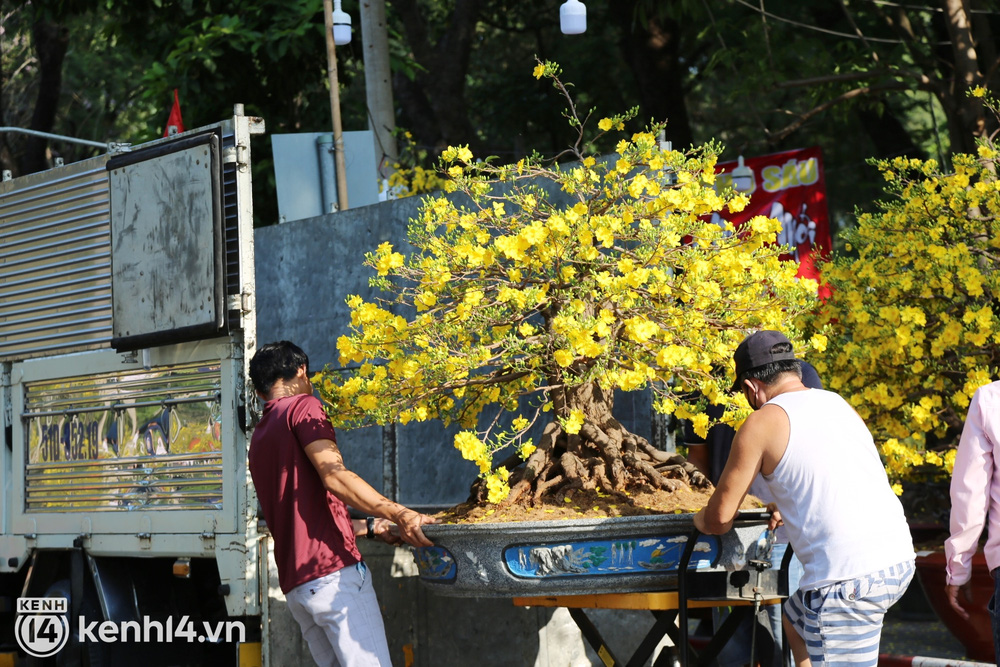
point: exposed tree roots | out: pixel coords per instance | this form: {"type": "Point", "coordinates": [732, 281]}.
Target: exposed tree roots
{"type": "Point", "coordinates": [605, 458]}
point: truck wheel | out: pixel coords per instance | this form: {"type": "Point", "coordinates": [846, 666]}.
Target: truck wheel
{"type": "Point", "coordinates": [74, 654]}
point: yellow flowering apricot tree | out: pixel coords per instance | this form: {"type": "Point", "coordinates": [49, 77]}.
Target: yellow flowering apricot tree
{"type": "Point", "coordinates": [535, 290]}
{"type": "Point", "coordinates": [912, 328]}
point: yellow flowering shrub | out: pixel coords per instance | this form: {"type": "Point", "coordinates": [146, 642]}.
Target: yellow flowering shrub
{"type": "Point", "coordinates": [912, 328]}
{"type": "Point", "coordinates": [409, 176]}
{"type": "Point", "coordinates": [543, 288]}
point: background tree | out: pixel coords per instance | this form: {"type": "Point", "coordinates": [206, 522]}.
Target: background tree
{"type": "Point", "coordinates": [912, 323]}
{"type": "Point", "coordinates": [61, 72]}
{"type": "Point", "coordinates": [467, 53]}
{"type": "Point", "coordinates": [543, 290]}
{"type": "Point", "coordinates": [126, 57]}
{"type": "Point", "coordinates": [809, 72]}
{"type": "Point", "coordinates": [891, 78]}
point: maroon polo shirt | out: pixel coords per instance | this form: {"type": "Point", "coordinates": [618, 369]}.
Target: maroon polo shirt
{"type": "Point", "coordinates": [311, 527]}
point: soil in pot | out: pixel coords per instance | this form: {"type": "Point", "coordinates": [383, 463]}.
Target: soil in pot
{"type": "Point", "coordinates": [589, 504]}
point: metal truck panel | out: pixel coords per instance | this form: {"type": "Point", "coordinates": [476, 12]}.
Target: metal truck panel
{"type": "Point", "coordinates": [126, 324]}
{"type": "Point", "coordinates": [147, 439]}
{"type": "Point", "coordinates": [168, 273]}
{"type": "Point", "coordinates": [129, 445]}
{"type": "Point", "coordinates": [55, 250]}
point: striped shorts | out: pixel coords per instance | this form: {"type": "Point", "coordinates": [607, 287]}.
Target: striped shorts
{"type": "Point", "coordinates": [842, 623]}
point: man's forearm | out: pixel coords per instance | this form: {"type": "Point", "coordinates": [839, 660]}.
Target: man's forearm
{"type": "Point", "coordinates": [359, 494]}
{"type": "Point", "coordinates": [710, 523]}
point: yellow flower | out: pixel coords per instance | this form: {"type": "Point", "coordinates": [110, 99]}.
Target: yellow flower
{"type": "Point", "coordinates": [388, 261]}
{"type": "Point", "coordinates": [978, 91]}
{"type": "Point", "coordinates": [471, 447]}
{"type": "Point", "coordinates": [574, 422]}
{"type": "Point", "coordinates": [700, 425]}
{"type": "Point", "coordinates": [818, 342]}
{"type": "Point", "coordinates": [563, 357]}
{"type": "Point", "coordinates": [497, 489]}
{"type": "Point", "coordinates": [949, 460]}
{"type": "Point", "coordinates": [605, 124]}
{"type": "Point", "coordinates": [539, 71]}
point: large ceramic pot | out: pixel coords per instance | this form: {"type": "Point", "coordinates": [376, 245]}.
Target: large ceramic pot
{"type": "Point", "coordinates": [615, 555]}
{"type": "Point", "coordinates": [976, 634]}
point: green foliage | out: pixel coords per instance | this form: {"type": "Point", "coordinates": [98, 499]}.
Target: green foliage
{"type": "Point", "coordinates": [745, 75]}
{"type": "Point", "coordinates": [100, 100]}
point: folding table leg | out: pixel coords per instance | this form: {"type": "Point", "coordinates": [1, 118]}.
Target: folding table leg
{"type": "Point", "coordinates": [664, 626]}
{"type": "Point", "coordinates": [593, 637]}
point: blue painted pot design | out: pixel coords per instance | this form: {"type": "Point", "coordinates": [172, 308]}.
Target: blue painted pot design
{"type": "Point", "coordinates": [616, 555]}
{"type": "Point", "coordinates": [641, 555]}
{"type": "Point", "coordinates": [435, 563]}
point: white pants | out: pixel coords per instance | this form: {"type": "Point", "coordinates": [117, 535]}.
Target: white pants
{"type": "Point", "coordinates": [341, 620]}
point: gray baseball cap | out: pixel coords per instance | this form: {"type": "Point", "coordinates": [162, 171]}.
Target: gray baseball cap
{"type": "Point", "coordinates": [757, 350]}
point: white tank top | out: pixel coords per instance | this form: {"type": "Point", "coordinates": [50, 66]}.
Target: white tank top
{"type": "Point", "coordinates": [842, 518]}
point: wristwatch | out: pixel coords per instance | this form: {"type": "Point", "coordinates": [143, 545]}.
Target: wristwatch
{"type": "Point", "coordinates": [370, 525]}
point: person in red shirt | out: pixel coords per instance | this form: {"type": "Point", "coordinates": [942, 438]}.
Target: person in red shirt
{"type": "Point", "coordinates": [304, 489]}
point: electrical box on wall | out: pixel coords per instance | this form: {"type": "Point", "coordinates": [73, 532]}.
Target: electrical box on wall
{"type": "Point", "coordinates": [305, 175]}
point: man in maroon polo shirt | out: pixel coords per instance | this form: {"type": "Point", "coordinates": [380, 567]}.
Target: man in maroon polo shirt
{"type": "Point", "coordinates": [304, 488]}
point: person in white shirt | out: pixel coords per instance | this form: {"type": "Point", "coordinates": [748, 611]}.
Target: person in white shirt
{"type": "Point", "coordinates": [830, 492]}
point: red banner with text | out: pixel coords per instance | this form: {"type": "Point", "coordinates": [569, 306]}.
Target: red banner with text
{"type": "Point", "coordinates": [789, 187]}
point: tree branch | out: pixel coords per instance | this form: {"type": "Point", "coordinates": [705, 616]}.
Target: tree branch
{"type": "Point", "coordinates": [831, 78]}
{"type": "Point", "coordinates": [844, 97]}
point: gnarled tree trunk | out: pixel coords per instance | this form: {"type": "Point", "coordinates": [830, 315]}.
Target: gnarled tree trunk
{"type": "Point", "coordinates": [603, 456]}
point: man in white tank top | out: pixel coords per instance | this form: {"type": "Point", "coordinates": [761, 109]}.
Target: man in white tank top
{"type": "Point", "coordinates": [831, 493]}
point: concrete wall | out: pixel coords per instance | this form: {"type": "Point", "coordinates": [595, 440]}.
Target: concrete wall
{"type": "Point", "coordinates": [305, 270]}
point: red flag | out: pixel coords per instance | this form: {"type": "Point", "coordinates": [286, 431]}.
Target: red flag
{"type": "Point", "coordinates": [174, 119]}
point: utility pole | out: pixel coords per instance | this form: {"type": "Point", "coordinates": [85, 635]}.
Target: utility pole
{"type": "Point", "coordinates": [378, 84]}
{"type": "Point", "coordinates": [340, 164]}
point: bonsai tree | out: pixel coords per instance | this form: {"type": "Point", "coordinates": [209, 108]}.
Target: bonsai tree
{"type": "Point", "coordinates": [535, 290]}
{"type": "Point", "coordinates": [910, 330]}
